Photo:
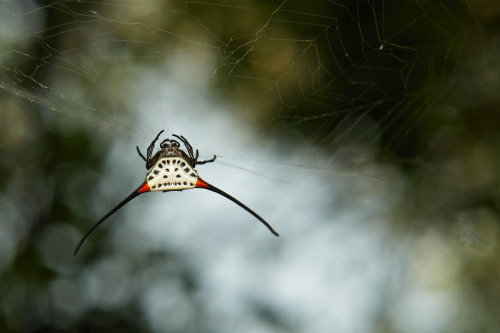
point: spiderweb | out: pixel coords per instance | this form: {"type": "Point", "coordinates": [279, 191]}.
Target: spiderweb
{"type": "Point", "coordinates": [386, 92]}
{"type": "Point", "coordinates": [282, 65]}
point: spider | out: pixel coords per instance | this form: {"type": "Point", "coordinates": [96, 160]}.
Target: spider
{"type": "Point", "coordinates": [171, 169]}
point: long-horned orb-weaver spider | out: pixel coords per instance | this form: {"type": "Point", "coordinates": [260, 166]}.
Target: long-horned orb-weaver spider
{"type": "Point", "coordinates": [171, 169]}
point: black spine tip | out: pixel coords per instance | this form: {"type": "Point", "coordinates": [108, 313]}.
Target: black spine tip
{"type": "Point", "coordinates": [236, 201]}
{"type": "Point", "coordinates": [104, 218]}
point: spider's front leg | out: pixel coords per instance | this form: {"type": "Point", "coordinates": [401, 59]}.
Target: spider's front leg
{"type": "Point", "coordinates": [187, 144]}
{"type": "Point", "coordinates": [149, 151]}
{"type": "Point", "coordinates": [205, 161]}
{"type": "Point", "coordinates": [140, 154]}
{"type": "Point", "coordinates": [152, 146]}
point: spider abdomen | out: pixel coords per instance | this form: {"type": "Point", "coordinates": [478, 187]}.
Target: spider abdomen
{"type": "Point", "coordinates": [171, 173]}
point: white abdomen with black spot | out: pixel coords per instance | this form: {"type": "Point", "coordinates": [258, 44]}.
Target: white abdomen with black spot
{"type": "Point", "coordinates": [170, 174]}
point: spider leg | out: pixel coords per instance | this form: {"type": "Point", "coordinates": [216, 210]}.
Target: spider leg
{"type": "Point", "coordinates": [140, 154]}
{"type": "Point", "coordinates": [180, 137]}
{"type": "Point", "coordinates": [152, 146]}
{"type": "Point", "coordinates": [203, 184]}
{"type": "Point", "coordinates": [150, 151]}
{"type": "Point", "coordinates": [207, 161]}
{"type": "Point", "coordinates": [187, 144]}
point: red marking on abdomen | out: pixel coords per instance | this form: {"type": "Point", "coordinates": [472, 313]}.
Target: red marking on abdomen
{"type": "Point", "coordinates": [200, 183]}
{"type": "Point", "coordinates": [144, 188]}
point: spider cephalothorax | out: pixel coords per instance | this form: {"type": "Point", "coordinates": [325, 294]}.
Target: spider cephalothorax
{"type": "Point", "coordinates": [171, 169]}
